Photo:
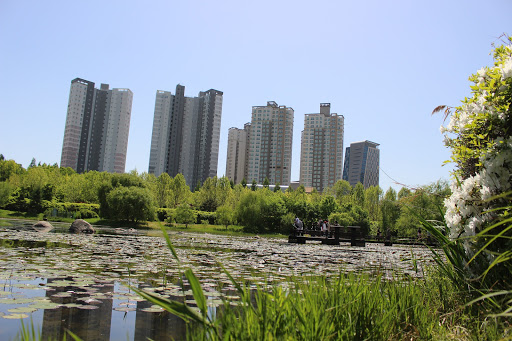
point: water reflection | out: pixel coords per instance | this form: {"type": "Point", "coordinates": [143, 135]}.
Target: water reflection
{"type": "Point", "coordinates": [88, 276]}
{"type": "Point", "coordinates": [157, 326]}
{"type": "Point", "coordinates": [89, 322]}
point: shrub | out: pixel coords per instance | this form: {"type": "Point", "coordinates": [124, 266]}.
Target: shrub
{"type": "Point", "coordinates": [479, 135]}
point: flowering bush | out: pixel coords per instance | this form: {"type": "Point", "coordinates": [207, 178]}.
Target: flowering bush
{"type": "Point", "coordinates": [479, 136]}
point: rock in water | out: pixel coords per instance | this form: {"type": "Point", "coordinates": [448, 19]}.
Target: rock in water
{"type": "Point", "coordinates": [42, 226]}
{"type": "Point", "coordinates": [81, 226]}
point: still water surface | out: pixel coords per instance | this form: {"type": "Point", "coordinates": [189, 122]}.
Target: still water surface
{"type": "Point", "coordinates": [82, 282]}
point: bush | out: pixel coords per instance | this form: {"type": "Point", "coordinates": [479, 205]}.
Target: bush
{"type": "Point", "coordinates": [163, 214]}
{"type": "Point", "coordinates": [131, 203]}
{"type": "Point", "coordinates": [70, 210]}
{"type": "Point", "coordinates": [206, 216]}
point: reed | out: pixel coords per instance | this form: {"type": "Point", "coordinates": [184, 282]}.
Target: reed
{"type": "Point", "coordinates": [348, 307]}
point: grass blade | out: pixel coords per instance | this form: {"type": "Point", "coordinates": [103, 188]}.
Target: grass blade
{"type": "Point", "coordinates": [177, 308]}
{"type": "Point", "coordinates": [197, 291]}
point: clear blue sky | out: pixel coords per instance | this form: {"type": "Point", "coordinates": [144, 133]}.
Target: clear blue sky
{"type": "Point", "coordinates": [384, 65]}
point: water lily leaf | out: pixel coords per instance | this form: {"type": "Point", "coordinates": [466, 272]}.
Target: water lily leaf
{"type": "Point", "coordinates": [152, 310]}
{"type": "Point", "coordinates": [15, 316]}
{"type": "Point", "coordinates": [16, 301]}
{"type": "Point", "coordinates": [88, 307]}
{"type": "Point", "coordinates": [125, 309]}
{"type": "Point", "coordinates": [72, 305]}
{"type": "Point", "coordinates": [45, 305]}
{"type": "Point", "coordinates": [22, 310]}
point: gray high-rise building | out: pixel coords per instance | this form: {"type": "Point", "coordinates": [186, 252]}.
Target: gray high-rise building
{"type": "Point", "coordinates": [321, 156]}
{"type": "Point", "coordinates": [362, 164]}
{"type": "Point", "coordinates": [97, 128]}
{"type": "Point", "coordinates": [186, 133]}
{"type": "Point", "coordinates": [270, 144]}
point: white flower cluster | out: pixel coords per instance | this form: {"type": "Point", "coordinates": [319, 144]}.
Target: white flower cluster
{"type": "Point", "coordinates": [468, 208]}
{"type": "Point", "coordinates": [506, 69]}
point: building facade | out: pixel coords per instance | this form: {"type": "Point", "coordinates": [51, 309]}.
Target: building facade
{"type": "Point", "coordinates": [236, 159]}
{"type": "Point", "coordinates": [186, 134]}
{"type": "Point", "coordinates": [321, 156]}
{"type": "Point", "coordinates": [97, 128]}
{"type": "Point", "coordinates": [270, 144]}
{"type": "Point", "coordinates": [362, 164]}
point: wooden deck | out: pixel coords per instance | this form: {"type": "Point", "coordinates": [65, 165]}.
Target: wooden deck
{"type": "Point", "coordinates": [352, 235]}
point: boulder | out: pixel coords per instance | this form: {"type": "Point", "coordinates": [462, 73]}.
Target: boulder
{"type": "Point", "coordinates": [81, 226]}
{"type": "Point", "coordinates": [42, 226]}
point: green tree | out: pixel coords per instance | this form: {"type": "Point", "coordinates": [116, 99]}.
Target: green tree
{"type": "Point", "coordinates": [8, 168]}
{"type": "Point", "coordinates": [185, 215]}
{"type": "Point", "coordinates": [327, 206]}
{"type": "Point", "coordinates": [180, 192]}
{"type": "Point", "coordinates": [390, 210]}
{"type": "Point", "coordinates": [32, 163]}
{"type": "Point", "coordinates": [164, 194]}
{"type": "Point", "coordinates": [5, 193]}
{"type": "Point", "coordinates": [372, 197]}
{"type": "Point", "coordinates": [262, 212]}
{"type": "Point", "coordinates": [341, 190]}
{"type": "Point", "coordinates": [358, 194]}
{"type": "Point", "coordinates": [341, 218]}
{"type": "Point", "coordinates": [266, 183]}
{"type": "Point", "coordinates": [225, 216]}
{"type": "Point", "coordinates": [404, 192]}
{"type": "Point", "coordinates": [111, 182]}
{"type": "Point", "coordinates": [360, 218]}
{"type": "Point", "coordinates": [131, 203]}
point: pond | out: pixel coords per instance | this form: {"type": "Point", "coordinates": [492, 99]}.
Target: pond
{"type": "Point", "coordinates": [82, 282]}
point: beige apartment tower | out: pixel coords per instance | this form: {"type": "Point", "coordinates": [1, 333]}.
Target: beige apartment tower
{"type": "Point", "coordinates": [236, 159]}
{"type": "Point", "coordinates": [270, 144]}
{"type": "Point", "coordinates": [321, 158]}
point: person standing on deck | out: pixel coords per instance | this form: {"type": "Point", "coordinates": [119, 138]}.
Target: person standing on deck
{"type": "Point", "coordinates": [299, 227]}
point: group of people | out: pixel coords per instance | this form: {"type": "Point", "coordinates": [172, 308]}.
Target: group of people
{"type": "Point", "coordinates": [322, 225]}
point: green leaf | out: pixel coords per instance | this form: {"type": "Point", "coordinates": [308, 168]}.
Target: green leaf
{"type": "Point", "coordinates": [168, 240]}
{"type": "Point", "coordinates": [197, 291]}
{"type": "Point", "coordinates": [177, 308]}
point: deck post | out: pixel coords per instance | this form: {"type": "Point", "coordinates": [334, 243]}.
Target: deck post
{"type": "Point", "coordinates": [337, 234]}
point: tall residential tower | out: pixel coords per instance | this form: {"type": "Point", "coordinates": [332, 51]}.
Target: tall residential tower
{"type": "Point", "coordinates": [321, 156]}
{"type": "Point", "coordinates": [186, 133]}
{"type": "Point", "coordinates": [270, 144]}
{"type": "Point", "coordinates": [97, 128]}
{"type": "Point", "coordinates": [237, 155]}
{"type": "Point", "coordinates": [362, 164]}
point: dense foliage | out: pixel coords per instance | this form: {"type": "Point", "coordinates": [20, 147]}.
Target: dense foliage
{"type": "Point", "coordinates": [58, 191]}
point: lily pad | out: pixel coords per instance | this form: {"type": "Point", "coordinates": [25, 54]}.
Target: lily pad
{"type": "Point", "coordinates": [88, 307]}
{"type": "Point", "coordinates": [125, 309]}
{"type": "Point", "coordinates": [15, 316]}
{"type": "Point", "coordinates": [22, 310]}
{"type": "Point", "coordinates": [153, 310]}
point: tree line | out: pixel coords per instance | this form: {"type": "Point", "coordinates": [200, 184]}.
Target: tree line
{"type": "Point", "coordinates": [52, 190]}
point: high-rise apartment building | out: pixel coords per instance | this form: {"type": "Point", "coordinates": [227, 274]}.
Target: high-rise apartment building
{"type": "Point", "coordinates": [236, 159]}
{"type": "Point", "coordinates": [186, 133]}
{"type": "Point", "coordinates": [97, 128]}
{"type": "Point", "coordinates": [270, 144]}
{"type": "Point", "coordinates": [362, 164]}
{"type": "Point", "coordinates": [321, 157]}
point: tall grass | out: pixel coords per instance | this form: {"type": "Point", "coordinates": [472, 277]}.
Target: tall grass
{"type": "Point", "coordinates": [348, 307]}
{"type": "Point", "coordinates": [483, 271]}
